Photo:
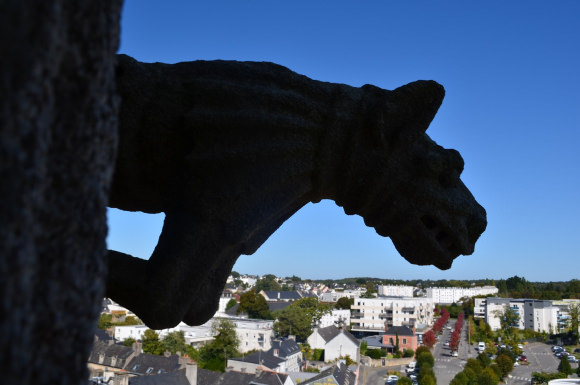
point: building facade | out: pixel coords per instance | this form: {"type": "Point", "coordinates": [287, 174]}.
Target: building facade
{"type": "Point", "coordinates": [395, 290]}
{"type": "Point", "coordinates": [449, 295]}
{"type": "Point", "coordinates": [377, 314]}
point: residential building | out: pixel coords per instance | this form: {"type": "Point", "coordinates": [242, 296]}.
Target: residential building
{"type": "Point", "coordinates": [407, 339]}
{"type": "Point", "coordinates": [275, 296]}
{"type": "Point", "coordinates": [254, 334]}
{"type": "Point", "coordinates": [371, 315]}
{"type": "Point", "coordinates": [338, 374]}
{"type": "Point", "coordinates": [449, 295]}
{"type": "Point", "coordinates": [337, 317]}
{"type": "Point", "coordinates": [533, 314]}
{"type": "Point", "coordinates": [288, 350]}
{"type": "Point", "coordinates": [334, 296]}
{"type": "Point", "coordinates": [257, 362]}
{"type": "Point", "coordinates": [337, 343]}
{"type": "Point", "coordinates": [262, 377]}
{"type": "Point", "coordinates": [395, 290]}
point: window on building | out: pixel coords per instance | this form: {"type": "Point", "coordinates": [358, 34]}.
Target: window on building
{"type": "Point", "coordinates": [150, 370]}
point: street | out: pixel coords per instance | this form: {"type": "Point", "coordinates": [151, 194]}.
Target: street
{"type": "Point", "coordinates": [540, 359]}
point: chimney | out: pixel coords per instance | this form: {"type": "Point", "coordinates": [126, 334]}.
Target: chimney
{"type": "Point", "coordinates": [292, 337]}
{"type": "Point", "coordinates": [137, 347]}
{"type": "Point", "coordinates": [191, 373]}
{"type": "Point", "coordinates": [167, 354]}
{"type": "Point", "coordinates": [276, 352]}
{"type": "Point", "coordinates": [121, 379]}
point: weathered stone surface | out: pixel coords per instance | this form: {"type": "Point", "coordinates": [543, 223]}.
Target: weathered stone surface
{"type": "Point", "coordinates": [58, 115]}
{"type": "Point", "coordinates": [230, 150]}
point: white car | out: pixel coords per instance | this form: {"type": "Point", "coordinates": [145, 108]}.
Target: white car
{"type": "Point", "coordinates": [454, 353]}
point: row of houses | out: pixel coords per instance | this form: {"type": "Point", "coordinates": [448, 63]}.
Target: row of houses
{"type": "Point", "coordinates": [533, 314]}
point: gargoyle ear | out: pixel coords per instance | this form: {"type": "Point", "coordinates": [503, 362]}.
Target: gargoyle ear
{"type": "Point", "coordinates": [416, 104]}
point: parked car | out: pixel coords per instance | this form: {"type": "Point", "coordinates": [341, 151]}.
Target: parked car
{"type": "Point", "coordinates": [392, 380]}
{"type": "Point", "coordinates": [523, 358]}
{"type": "Point", "coordinates": [572, 358]}
{"type": "Point", "coordinates": [520, 346]}
{"type": "Point", "coordinates": [556, 347]}
{"type": "Point", "coordinates": [454, 353]}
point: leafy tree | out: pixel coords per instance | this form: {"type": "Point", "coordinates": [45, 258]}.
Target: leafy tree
{"type": "Point", "coordinates": [487, 377]}
{"type": "Point", "coordinates": [404, 381]}
{"type": "Point", "coordinates": [425, 359]}
{"type": "Point", "coordinates": [429, 339]}
{"type": "Point", "coordinates": [105, 321]}
{"type": "Point", "coordinates": [574, 312]}
{"type": "Point", "coordinates": [267, 283]}
{"type": "Point", "coordinates": [363, 347]}
{"type": "Point", "coordinates": [151, 343]}
{"type": "Point", "coordinates": [564, 366]}
{"type": "Point", "coordinates": [484, 360]}
{"type": "Point", "coordinates": [508, 319]}
{"type": "Point", "coordinates": [460, 379]}
{"type": "Point", "coordinates": [174, 342]}
{"type": "Point", "coordinates": [344, 303]}
{"type": "Point", "coordinates": [214, 355]}
{"type": "Point", "coordinates": [421, 349]}
{"type": "Point", "coordinates": [505, 364]}
{"type": "Point", "coordinates": [231, 303]}
{"type": "Point", "coordinates": [295, 321]}
{"type": "Point", "coordinates": [255, 305]}
{"type": "Point", "coordinates": [128, 341]}
{"type": "Point", "coordinates": [313, 307]}
{"type": "Point", "coordinates": [235, 274]}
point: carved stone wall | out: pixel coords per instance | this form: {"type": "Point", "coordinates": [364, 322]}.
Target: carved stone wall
{"type": "Point", "coordinates": [58, 118]}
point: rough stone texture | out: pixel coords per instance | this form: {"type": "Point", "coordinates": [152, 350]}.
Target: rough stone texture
{"type": "Point", "coordinates": [58, 117]}
{"type": "Point", "coordinates": [230, 150]}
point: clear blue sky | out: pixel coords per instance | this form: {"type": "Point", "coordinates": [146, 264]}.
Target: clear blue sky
{"type": "Point", "coordinates": [511, 71]}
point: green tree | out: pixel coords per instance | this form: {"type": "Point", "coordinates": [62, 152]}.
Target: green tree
{"type": "Point", "coordinates": [254, 305]}
{"type": "Point", "coordinates": [505, 364]}
{"type": "Point", "coordinates": [128, 342]}
{"type": "Point", "coordinates": [344, 303]}
{"type": "Point", "coordinates": [231, 303]}
{"type": "Point", "coordinates": [508, 318]}
{"type": "Point", "coordinates": [404, 381]}
{"type": "Point", "coordinates": [174, 342]}
{"type": "Point", "coordinates": [267, 283]}
{"type": "Point", "coordinates": [293, 321]}
{"type": "Point", "coordinates": [214, 355]}
{"type": "Point", "coordinates": [425, 359]}
{"type": "Point", "coordinates": [105, 321]}
{"type": "Point", "coordinates": [564, 366]}
{"type": "Point", "coordinates": [151, 343]}
{"type": "Point", "coordinates": [574, 312]}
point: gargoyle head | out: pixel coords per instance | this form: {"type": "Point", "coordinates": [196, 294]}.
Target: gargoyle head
{"type": "Point", "coordinates": [405, 185]}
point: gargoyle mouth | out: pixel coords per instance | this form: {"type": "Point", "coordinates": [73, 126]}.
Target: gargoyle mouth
{"type": "Point", "coordinates": [428, 241]}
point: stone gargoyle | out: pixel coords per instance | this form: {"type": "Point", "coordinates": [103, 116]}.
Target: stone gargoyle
{"type": "Point", "coordinates": [230, 150]}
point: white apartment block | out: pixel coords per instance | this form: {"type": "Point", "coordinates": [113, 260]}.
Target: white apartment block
{"type": "Point", "coordinates": [395, 290]}
{"type": "Point", "coordinates": [254, 334]}
{"type": "Point", "coordinates": [336, 318]}
{"type": "Point", "coordinates": [194, 335]}
{"type": "Point", "coordinates": [334, 296]}
{"type": "Point", "coordinates": [449, 295]}
{"type": "Point", "coordinates": [538, 315]}
{"type": "Point", "coordinates": [372, 314]}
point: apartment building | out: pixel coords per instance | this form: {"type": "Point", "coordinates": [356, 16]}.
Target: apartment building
{"type": "Point", "coordinates": [449, 295]}
{"type": "Point", "coordinates": [373, 314]}
{"type": "Point", "coordinates": [533, 314]}
{"type": "Point", "coordinates": [395, 290]}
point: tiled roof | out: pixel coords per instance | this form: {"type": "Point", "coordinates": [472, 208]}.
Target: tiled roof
{"type": "Point", "coordinates": [400, 330]}
{"type": "Point", "coordinates": [286, 347]}
{"type": "Point", "coordinates": [149, 364]}
{"type": "Point", "coordinates": [328, 333]}
{"type": "Point", "coordinates": [173, 378]}
{"type": "Point", "coordinates": [282, 295]}
{"type": "Point", "coordinates": [340, 373]}
{"type": "Point", "coordinates": [207, 377]}
{"type": "Point", "coordinates": [107, 354]}
{"type": "Point", "coordinates": [261, 358]}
